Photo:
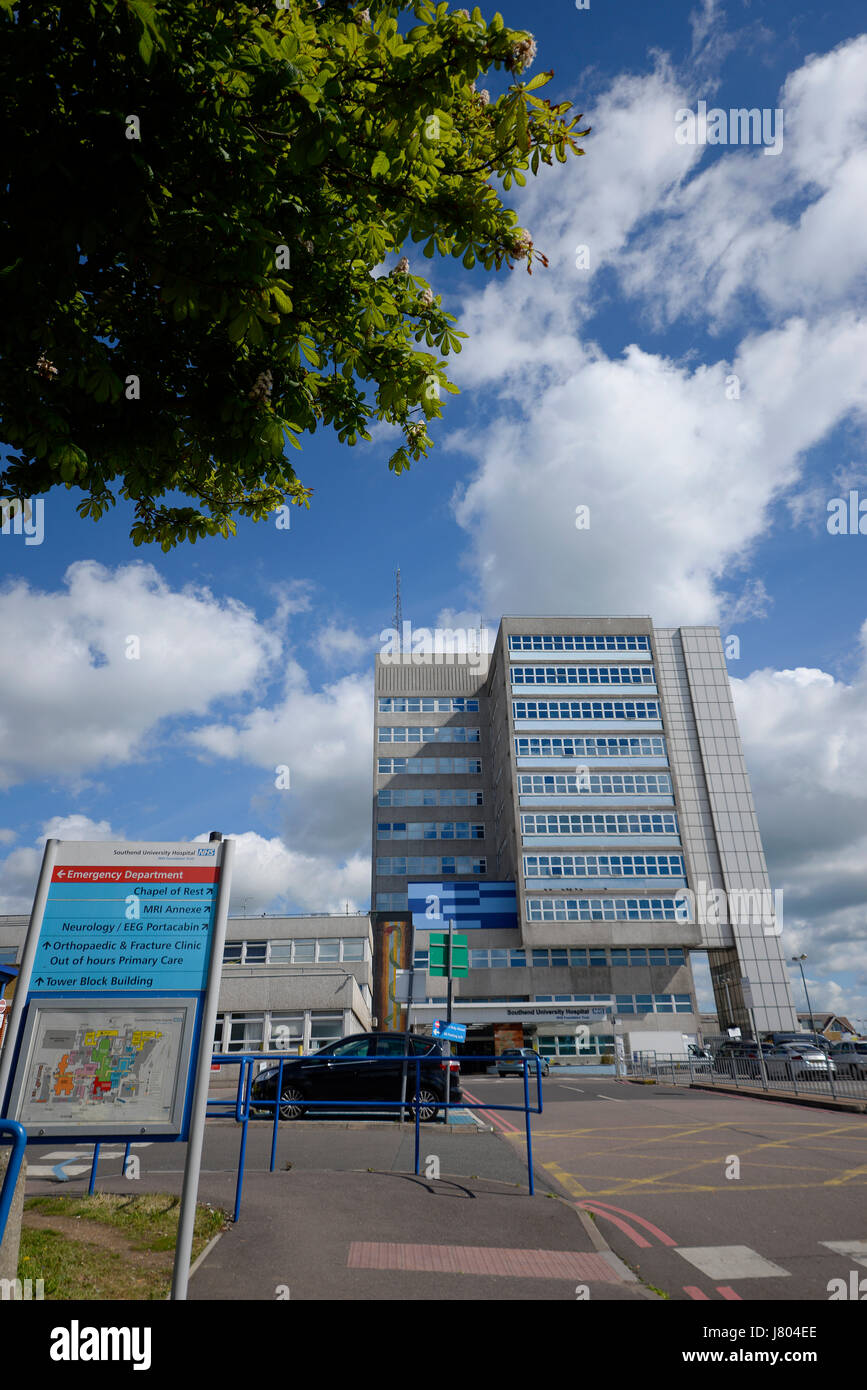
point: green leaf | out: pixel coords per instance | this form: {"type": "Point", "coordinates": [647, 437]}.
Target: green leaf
{"type": "Point", "coordinates": [380, 165]}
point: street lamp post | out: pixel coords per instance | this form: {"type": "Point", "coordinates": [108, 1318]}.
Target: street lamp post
{"type": "Point", "coordinates": [799, 962]}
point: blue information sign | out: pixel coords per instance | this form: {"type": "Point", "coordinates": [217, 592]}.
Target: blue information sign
{"type": "Point", "coordinates": [110, 928]}
{"type": "Point", "coordinates": [455, 1032]}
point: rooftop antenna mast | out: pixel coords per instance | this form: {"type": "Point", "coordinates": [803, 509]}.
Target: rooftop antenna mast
{"type": "Point", "coordinates": [398, 612]}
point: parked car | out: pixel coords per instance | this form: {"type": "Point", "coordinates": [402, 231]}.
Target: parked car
{"type": "Point", "coordinates": [511, 1062]}
{"type": "Point", "coordinates": [850, 1058]}
{"type": "Point", "coordinates": [795, 1060]}
{"type": "Point", "coordinates": [364, 1067]}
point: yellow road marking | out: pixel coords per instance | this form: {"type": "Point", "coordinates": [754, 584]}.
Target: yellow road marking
{"type": "Point", "coordinates": [567, 1180]}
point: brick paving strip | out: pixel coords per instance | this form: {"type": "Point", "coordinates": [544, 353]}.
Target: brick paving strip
{"type": "Point", "coordinates": [481, 1259]}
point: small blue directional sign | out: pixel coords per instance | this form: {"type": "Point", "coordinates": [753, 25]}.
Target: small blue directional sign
{"type": "Point", "coordinates": [454, 1032]}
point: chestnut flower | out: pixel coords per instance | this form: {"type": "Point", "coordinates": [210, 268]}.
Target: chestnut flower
{"type": "Point", "coordinates": [402, 267]}
{"type": "Point", "coordinates": [261, 391]}
{"type": "Point", "coordinates": [522, 55]}
{"type": "Point", "coordinates": [426, 296]}
{"type": "Point", "coordinates": [522, 245]}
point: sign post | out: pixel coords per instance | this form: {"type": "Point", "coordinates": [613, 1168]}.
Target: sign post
{"type": "Point", "coordinates": [114, 1010]}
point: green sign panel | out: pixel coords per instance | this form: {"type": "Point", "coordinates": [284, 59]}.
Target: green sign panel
{"type": "Point", "coordinates": [439, 954]}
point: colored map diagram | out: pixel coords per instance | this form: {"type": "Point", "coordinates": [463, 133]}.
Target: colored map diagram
{"type": "Point", "coordinates": [126, 1068]}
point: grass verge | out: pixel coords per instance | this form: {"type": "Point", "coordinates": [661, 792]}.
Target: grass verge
{"type": "Point", "coordinates": [108, 1246]}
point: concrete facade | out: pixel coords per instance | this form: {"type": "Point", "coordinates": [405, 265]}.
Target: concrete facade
{"type": "Point", "coordinates": [612, 790]}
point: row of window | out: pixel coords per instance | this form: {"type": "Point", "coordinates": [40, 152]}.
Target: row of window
{"type": "Point", "coordinates": [429, 765]}
{"type": "Point", "coordinates": [603, 866]}
{"type": "Point", "coordinates": [565, 1045]}
{"type": "Point", "coordinates": [585, 709]}
{"type": "Point", "coordinates": [630, 1003]}
{"type": "Point", "coordinates": [595, 783]}
{"type": "Point", "coordinates": [577, 642]}
{"type": "Point", "coordinates": [590, 747]}
{"type": "Point", "coordinates": [599, 823]}
{"type": "Point", "coordinates": [604, 910]}
{"type": "Point", "coordinates": [582, 675]}
{"type": "Point", "coordinates": [436, 796]}
{"type": "Point", "coordinates": [430, 830]}
{"type": "Point", "coordinates": [653, 1004]}
{"type": "Point", "coordinates": [300, 951]}
{"type": "Point", "coordinates": [429, 865]}
{"type": "Point", "coordinates": [427, 704]}
{"type": "Point", "coordinates": [426, 733]}
{"type": "Point", "coordinates": [518, 958]}
{"type": "Point", "coordinates": [276, 1032]}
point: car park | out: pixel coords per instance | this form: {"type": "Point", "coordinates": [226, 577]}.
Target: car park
{"type": "Point", "coordinates": [511, 1062]}
{"type": "Point", "coordinates": [850, 1058]}
{"type": "Point", "coordinates": [365, 1067]}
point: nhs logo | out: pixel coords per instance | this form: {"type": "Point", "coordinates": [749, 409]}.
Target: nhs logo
{"type": "Point", "coordinates": [205, 853]}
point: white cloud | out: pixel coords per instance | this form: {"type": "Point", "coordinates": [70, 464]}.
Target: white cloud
{"type": "Point", "coordinates": [8, 836]}
{"type": "Point", "coordinates": [335, 644]}
{"type": "Point", "coordinates": [269, 876]}
{"type": "Point", "coordinates": [75, 702]}
{"type": "Point", "coordinates": [324, 738]}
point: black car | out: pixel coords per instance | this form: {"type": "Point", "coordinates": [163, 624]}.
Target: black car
{"type": "Point", "coordinates": [364, 1067]}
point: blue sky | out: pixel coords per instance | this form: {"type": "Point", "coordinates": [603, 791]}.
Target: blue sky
{"type": "Point", "coordinates": [604, 386]}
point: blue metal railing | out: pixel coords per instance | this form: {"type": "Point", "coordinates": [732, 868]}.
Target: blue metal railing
{"type": "Point", "coordinates": [239, 1109]}
{"type": "Point", "coordinates": [19, 1143]}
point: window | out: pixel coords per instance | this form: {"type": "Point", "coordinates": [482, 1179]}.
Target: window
{"type": "Point", "coordinates": [246, 1032]}
{"type": "Point", "coordinates": [585, 709]}
{"type": "Point", "coordinates": [602, 823]}
{"type": "Point", "coordinates": [578, 642]}
{"type": "Point", "coordinates": [425, 704]}
{"type": "Point", "coordinates": [329, 950]}
{"type": "Point", "coordinates": [597, 956]}
{"type": "Point", "coordinates": [608, 909]}
{"type": "Point", "coordinates": [582, 675]}
{"type": "Point", "coordinates": [281, 951]}
{"type": "Point", "coordinates": [429, 765]}
{"type": "Point", "coordinates": [676, 957]}
{"type": "Point", "coordinates": [637, 956]}
{"type": "Point", "coordinates": [357, 1047]}
{"type": "Point", "coordinates": [618, 957]}
{"type": "Point", "coordinates": [559, 957]}
{"type": "Point", "coordinates": [354, 948]}
{"type": "Point", "coordinates": [286, 1033]}
{"type": "Point", "coordinates": [304, 951]}
{"type": "Point", "coordinates": [587, 746]}
{"type": "Point", "coordinates": [594, 783]}
{"type": "Point", "coordinates": [232, 952]}
{"type": "Point", "coordinates": [417, 864]}
{"type": "Point", "coordinates": [420, 960]}
{"type": "Point", "coordinates": [391, 902]}
{"type": "Point", "coordinates": [499, 959]}
{"type": "Point", "coordinates": [517, 958]}
{"type": "Point", "coordinates": [391, 1047]}
{"type": "Point", "coordinates": [478, 960]}
{"type": "Point", "coordinates": [603, 866]}
{"type": "Point", "coordinates": [426, 733]}
{"type": "Point", "coordinates": [436, 796]}
{"type": "Point", "coordinates": [430, 830]}
{"type": "Point", "coordinates": [324, 1028]}
{"type": "Point", "coordinates": [540, 957]}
